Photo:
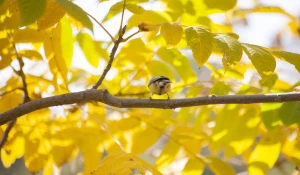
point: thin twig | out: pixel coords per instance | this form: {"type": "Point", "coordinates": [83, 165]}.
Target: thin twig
{"type": "Point", "coordinates": [124, 40]}
{"type": "Point", "coordinates": [112, 38]}
{"type": "Point", "coordinates": [121, 33]}
{"type": "Point", "coordinates": [6, 132]}
{"type": "Point", "coordinates": [105, 97]}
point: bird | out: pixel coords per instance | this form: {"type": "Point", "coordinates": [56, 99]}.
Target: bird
{"type": "Point", "coordinates": [159, 85]}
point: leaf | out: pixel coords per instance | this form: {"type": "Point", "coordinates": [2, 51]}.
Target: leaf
{"type": "Point", "coordinates": [193, 167]}
{"type": "Point", "coordinates": [76, 12]}
{"type": "Point", "coordinates": [28, 35]}
{"type": "Point", "coordinates": [289, 113]}
{"type": "Point", "coordinates": [66, 41]}
{"type": "Point", "coordinates": [135, 9]}
{"type": "Point", "coordinates": [270, 115]}
{"type": "Point", "coordinates": [200, 42]}
{"type": "Point", "coordinates": [220, 4]}
{"type": "Point", "coordinates": [179, 62]}
{"type": "Point", "coordinates": [88, 47]}
{"type": "Point", "coordinates": [157, 68]}
{"type": "Point", "coordinates": [143, 139]}
{"type": "Point", "coordinates": [263, 157]}
{"type": "Point", "coordinates": [52, 15]}
{"type": "Point", "coordinates": [31, 10]}
{"type": "Point", "coordinates": [262, 60]}
{"type": "Point", "coordinates": [31, 54]}
{"type": "Point", "coordinates": [171, 32]}
{"type": "Point", "coordinates": [219, 167]}
{"type": "Point", "coordinates": [167, 156]}
{"type": "Point", "coordinates": [290, 57]}
{"type": "Point", "coordinates": [220, 88]}
{"type": "Point", "coordinates": [231, 49]}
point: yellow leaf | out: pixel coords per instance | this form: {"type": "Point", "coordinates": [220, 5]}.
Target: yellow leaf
{"type": "Point", "coordinates": [179, 62]}
{"type": "Point", "coordinates": [171, 32]}
{"type": "Point", "coordinates": [200, 42]}
{"type": "Point", "coordinates": [148, 36]}
{"type": "Point", "coordinates": [89, 49]}
{"type": "Point", "coordinates": [13, 148]}
{"type": "Point", "coordinates": [193, 167]}
{"type": "Point", "coordinates": [220, 4]}
{"type": "Point", "coordinates": [262, 59]}
{"type": "Point", "coordinates": [263, 157]}
{"type": "Point", "coordinates": [28, 35]}
{"type": "Point", "coordinates": [290, 57]}
{"type": "Point", "coordinates": [231, 49]}
{"type": "Point", "coordinates": [31, 54]}
{"type": "Point", "coordinates": [143, 138]}
{"type": "Point", "coordinates": [219, 167]}
{"type": "Point", "coordinates": [291, 149]}
{"type": "Point", "coordinates": [6, 103]}
{"type": "Point", "coordinates": [157, 68]}
{"type": "Point", "coordinates": [136, 9]}
{"type": "Point", "coordinates": [67, 41]}
{"type": "Point", "coordinates": [53, 14]}
{"type": "Point", "coordinates": [167, 156]}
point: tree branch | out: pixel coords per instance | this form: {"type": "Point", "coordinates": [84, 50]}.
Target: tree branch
{"type": "Point", "coordinates": [111, 59]}
{"type": "Point", "coordinates": [105, 97]}
{"type": "Point", "coordinates": [6, 132]}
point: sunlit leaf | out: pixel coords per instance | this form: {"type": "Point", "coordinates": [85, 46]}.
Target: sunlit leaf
{"type": "Point", "coordinates": [171, 32]}
{"type": "Point", "coordinates": [28, 36]}
{"type": "Point", "coordinates": [270, 115]}
{"type": "Point", "coordinates": [219, 167]}
{"type": "Point", "coordinates": [167, 155]}
{"type": "Point", "coordinates": [31, 10]}
{"type": "Point", "coordinates": [193, 167]}
{"type": "Point", "coordinates": [136, 9]}
{"type": "Point", "coordinates": [290, 57]}
{"type": "Point", "coordinates": [262, 60]}
{"type": "Point", "coordinates": [231, 49]}
{"type": "Point", "coordinates": [200, 41]}
{"type": "Point", "coordinates": [31, 54]}
{"type": "Point", "coordinates": [67, 41]}
{"type": "Point", "coordinates": [77, 13]}
{"type": "Point", "coordinates": [53, 14]}
{"type": "Point", "coordinates": [157, 68]}
{"type": "Point", "coordinates": [220, 4]}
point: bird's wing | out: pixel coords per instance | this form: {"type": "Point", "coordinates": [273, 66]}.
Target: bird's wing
{"type": "Point", "coordinates": [156, 78]}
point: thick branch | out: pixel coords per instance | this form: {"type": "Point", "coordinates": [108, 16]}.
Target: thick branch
{"type": "Point", "coordinates": [106, 98]}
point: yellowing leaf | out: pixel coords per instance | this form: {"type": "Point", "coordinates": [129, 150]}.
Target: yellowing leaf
{"type": "Point", "coordinates": [231, 49]}
{"type": "Point", "coordinates": [171, 32]}
{"type": "Point", "coordinates": [290, 57]}
{"type": "Point", "coordinates": [262, 60]}
{"type": "Point", "coordinates": [200, 42]}
{"type": "Point", "coordinates": [77, 13]}
{"type": "Point", "coordinates": [270, 115]}
{"type": "Point", "coordinates": [31, 54]}
{"type": "Point", "coordinates": [220, 4]}
{"type": "Point", "coordinates": [167, 155]}
{"type": "Point", "coordinates": [6, 103]}
{"type": "Point", "coordinates": [157, 68]}
{"type": "Point", "coordinates": [53, 14]}
{"type": "Point", "coordinates": [219, 167]}
{"type": "Point", "coordinates": [143, 139]}
{"type": "Point", "coordinates": [136, 9]}
{"type": "Point", "coordinates": [193, 167]}
{"type": "Point", "coordinates": [31, 10]}
{"type": "Point", "coordinates": [67, 41]}
{"type": "Point", "coordinates": [89, 49]}
{"type": "Point", "coordinates": [179, 62]}
{"type": "Point", "coordinates": [263, 157]}
{"type": "Point", "coordinates": [28, 36]}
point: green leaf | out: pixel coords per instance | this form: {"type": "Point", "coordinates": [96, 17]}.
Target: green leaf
{"type": "Point", "coordinates": [231, 49]}
{"type": "Point", "coordinates": [87, 45]}
{"type": "Point", "coordinates": [270, 115]}
{"type": "Point", "coordinates": [171, 32]}
{"type": "Point", "coordinates": [76, 12]}
{"type": "Point", "coordinates": [289, 113]}
{"type": "Point", "coordinates": [136, 9]}
{"type": "Point", "coordinates": [262, 59]}
{"type": "Point", "coordinates": [220, 88]}
{"type": "Point", "coordinates": [290, 57]}
{"type": "Point", "coordinates": [31, 10]}
{"type": "Point", "coordinates": [200, 42]}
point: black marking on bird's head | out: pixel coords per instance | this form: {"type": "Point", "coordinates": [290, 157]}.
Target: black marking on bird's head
{"type": "Point", "coordinates": [159, 78]}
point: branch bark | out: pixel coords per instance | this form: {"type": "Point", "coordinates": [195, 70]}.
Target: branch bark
{"type": "Point", "coordinates": [105, 97]}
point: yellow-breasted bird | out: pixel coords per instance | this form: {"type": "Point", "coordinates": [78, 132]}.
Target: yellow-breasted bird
{"type": "Point", "coordinates": [159, 85]}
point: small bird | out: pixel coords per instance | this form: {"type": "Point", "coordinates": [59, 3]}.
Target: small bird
{"type": "Point", "coordinates": [159, 85]}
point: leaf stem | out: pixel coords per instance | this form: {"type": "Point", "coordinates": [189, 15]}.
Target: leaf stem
{"type": "Point", "coordinates": [124, 40]}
